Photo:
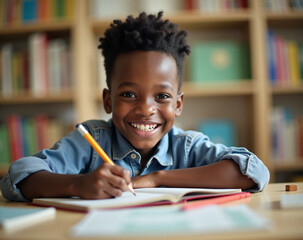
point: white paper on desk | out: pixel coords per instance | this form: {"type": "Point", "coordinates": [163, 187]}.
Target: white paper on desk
{"type": "Point", "coordinates": [170, 220]}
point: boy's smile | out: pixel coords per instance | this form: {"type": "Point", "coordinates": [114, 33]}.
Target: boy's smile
{"type": "Point", "coordinates": [143, 97]}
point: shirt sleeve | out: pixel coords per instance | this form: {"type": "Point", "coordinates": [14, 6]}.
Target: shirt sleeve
{"type": "Point", "coordinates": [70, 155]}
{"type": "Point", "coordinates": [204, 152]}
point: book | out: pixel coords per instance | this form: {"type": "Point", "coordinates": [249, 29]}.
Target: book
{"type": "Point", "coordinates": [29, 10]}
{"type": "Point", "coordinates": [13, 218]}
{"type": "Point", "coordinates": [4, 146]}
{"type": "Point", "coordinates": [222, 61]}
{"type": "Point", "coordinates": [294, 63]}
{"type": "Point", "coordinates": [271, 57]}
{"type": "Point", "coordinates": [15, 136]}
{"type": "Point", "coordinates": [38, 64]}
{"type": "Point", "coordinates": [219, 131]}
{"type": "Point", "coordinates": [6, 70]}
{"type": "Point", "coordinates": [301, 61]}
{"type": "Point", "coordinates": [144, 197]}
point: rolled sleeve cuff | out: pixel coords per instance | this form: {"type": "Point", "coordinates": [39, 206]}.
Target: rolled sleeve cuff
{"type": "Point", "coordinates": [252, 167]}
{"type": "Point", "coordinates": [18, 171]}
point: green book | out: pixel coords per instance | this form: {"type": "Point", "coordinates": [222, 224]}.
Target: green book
{"type": "Point", "coordinates": [301, 60]}
{"type": "Point", "coordinates": [29, 136]}
{"type": "Point", "coordinates": [60, 8]}
{"type": "Point", "coordinates": [220, 62]}
{"type": "Point", "coordinates": [4, 146]}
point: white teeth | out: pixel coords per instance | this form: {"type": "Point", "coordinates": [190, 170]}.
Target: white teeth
{"type": "Point", "coordinates": [144, 128]}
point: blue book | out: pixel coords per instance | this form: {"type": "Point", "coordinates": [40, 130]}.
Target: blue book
{"type": "Point", "coordinates": [29, 11]}
{"type": "Point", "coordinates": [13, 218]}
{"type": "Point", "coordinates": [271, 57]}
{"type": "Point", "coordinates": [219, 131]}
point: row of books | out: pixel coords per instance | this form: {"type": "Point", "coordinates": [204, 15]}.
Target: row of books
{"type": "Point", "coordinates": [212, 6]}
{"type": "Point", "coordinates": [285, 60]}
{"type": "Point", "coordinates": [283, 5]}
{"type": "Point", "coordinates": [24, 136]}
{"type": "Point", "coordinates": [44, 66]}
{"type": "Point", "coordinates": [287, 136]}
{"type": "Point", "coordinates": [104, 8]}
{"type": "Point", "coordinates": [29, 11]}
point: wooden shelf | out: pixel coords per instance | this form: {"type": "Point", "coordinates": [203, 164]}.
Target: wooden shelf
{"type": "Point", "coordinates": [191, 19]}
{"type": "Point", "coordinates": [282, 16]}
{"type": "Point", "coordinates": [28, 98]}
{"type": "Point", "coordinates": [205, 19]}
{"type": "Point", "coordinates": [297, 165]}
{"type": "Point", "coordinates": [286, 90]}
{"type": "Point", "coordinates": [36, 27]}
{"type": "Point", "coordinates": [240, 88]}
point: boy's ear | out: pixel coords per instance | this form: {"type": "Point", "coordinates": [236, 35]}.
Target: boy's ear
{"type": "Point", "coordinates": [107, 104]}
{"type": "Point", "coordinates": [179, 106]}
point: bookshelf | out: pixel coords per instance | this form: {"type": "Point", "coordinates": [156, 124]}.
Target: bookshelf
{"type": "Point", "coordinates": [248, 103]}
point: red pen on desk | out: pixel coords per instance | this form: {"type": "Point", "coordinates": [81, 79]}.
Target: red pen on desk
{"type": "Point", "coordinates": [215, 200]}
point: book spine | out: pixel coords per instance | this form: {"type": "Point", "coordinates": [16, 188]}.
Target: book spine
{"type": "Point", "coordinates": [4, 146]}
{"type": "Point", "coordinates": [29, 11]}
{"type": "Point", "coordinates": [301, 61]}
{"type": "Point", "coordinates": [15, 137]}
{"type": "Point", "coordinates": [271, 56]}
{"type": "Point", "coordinates": [6, 60]}
{"type": "Point", "coordinates": [294, 63]}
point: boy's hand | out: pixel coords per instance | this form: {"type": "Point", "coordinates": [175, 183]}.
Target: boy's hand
{"type": "Point", "coordinates": [105, 182]}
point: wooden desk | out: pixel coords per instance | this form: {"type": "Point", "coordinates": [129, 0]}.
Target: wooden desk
{"type": "Point", "coordinates": [286, 223]}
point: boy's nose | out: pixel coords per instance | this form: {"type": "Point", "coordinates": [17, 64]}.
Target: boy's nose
{"type": "Point", "coordinates": [146, 108]}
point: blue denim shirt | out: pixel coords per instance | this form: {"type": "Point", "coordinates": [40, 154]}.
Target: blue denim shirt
{"type": "Point", "coordinates": [177, 149]}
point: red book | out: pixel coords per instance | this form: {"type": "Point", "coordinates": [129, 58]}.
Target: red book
{"type": "Point", "coordinates": [42, 9]}
{"type": "Point", "coordinates": [281, 75]}
{"type": "Point", "coordinates": [15, 136]}
{"type": "Point", "coordinates": [41, 122]}
{"type": "Point", "coordinates": [25, 70]}
{"type": "Point", "coordinates": [189, 5]}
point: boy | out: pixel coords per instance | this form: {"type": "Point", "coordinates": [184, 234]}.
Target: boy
{"type": "Point", "coordinates": [144, 64]}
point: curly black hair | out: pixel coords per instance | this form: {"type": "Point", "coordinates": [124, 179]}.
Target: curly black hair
{"type": "Point", "coordinates": [145, 33]}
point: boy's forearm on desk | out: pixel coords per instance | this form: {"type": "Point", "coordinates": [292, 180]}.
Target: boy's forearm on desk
{"type": "Point", "coordinates": [46, 184]}
{"type": "Point", "coordinates": [224, 174]}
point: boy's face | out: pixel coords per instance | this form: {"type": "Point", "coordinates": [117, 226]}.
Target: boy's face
{"type": "Point", "coordinates": [144, 98]}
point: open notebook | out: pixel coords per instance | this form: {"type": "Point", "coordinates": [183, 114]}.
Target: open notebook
{"type": "Point", "coordinates": [144, 197]}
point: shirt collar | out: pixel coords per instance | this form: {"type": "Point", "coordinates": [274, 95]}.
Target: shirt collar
{"type": "Point", "coordinates": [122, 148]}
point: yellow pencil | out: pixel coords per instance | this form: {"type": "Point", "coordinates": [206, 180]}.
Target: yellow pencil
{"type": "Point", "coordinates": [98, 149]}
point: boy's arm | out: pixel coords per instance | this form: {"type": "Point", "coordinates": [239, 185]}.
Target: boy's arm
{"type": "Point", "coordinates": [223, 174]}
{"type": "Point", "coordinates": [105, 182]}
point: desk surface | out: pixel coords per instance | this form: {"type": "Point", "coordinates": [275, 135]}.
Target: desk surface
{"type": "Point", "coordinates": [287, 223]}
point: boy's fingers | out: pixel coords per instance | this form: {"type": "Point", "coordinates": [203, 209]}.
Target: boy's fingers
{"type": "Point", "coordinates": [114, 177]}
{"type": "Point", "coordinates": [112, 191]}
{"type": "Point", "coordinates": [122, 172]}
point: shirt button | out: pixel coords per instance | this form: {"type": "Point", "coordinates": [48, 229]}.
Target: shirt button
{"type": "Point", "coordinates": [133, 156]}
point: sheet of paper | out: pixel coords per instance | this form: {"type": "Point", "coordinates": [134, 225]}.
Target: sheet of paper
{"type": "Point", "coordinates": [168, 221]}
{"type": "Point", "coordinates": [291, 200]}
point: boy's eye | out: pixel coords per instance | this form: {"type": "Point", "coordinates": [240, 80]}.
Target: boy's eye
{"type": "Point", "coordinates": [128, 94]}
{"type": "Point", "coordinates": [163, 96]}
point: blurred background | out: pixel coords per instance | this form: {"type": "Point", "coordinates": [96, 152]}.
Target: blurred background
{"type": "Point", "coordinates": [243, 81]}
